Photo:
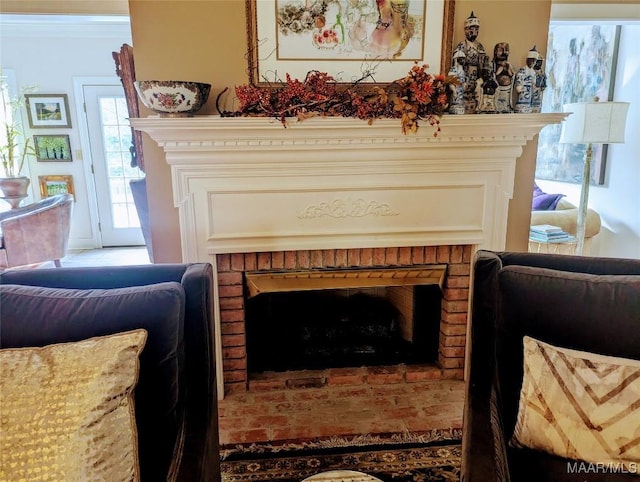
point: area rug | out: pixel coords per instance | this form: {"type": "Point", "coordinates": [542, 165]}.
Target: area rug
{"type": "Point", "coordinates": [414, 458]}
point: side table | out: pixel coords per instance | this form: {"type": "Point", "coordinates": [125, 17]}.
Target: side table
{"type": "Point", "coordinates": [558, 247]}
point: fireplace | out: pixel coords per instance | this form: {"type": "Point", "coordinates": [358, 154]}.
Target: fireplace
{"type": "Point", "coordinates": [441, 272]}
{"type": "Point", "coordinates": [338, 194]}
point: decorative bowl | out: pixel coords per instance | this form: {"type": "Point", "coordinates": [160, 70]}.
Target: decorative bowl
{"type": "Point", "coordinates": [173, 98]}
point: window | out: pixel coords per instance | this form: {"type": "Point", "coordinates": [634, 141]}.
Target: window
{"type": "Point", "coordinates": [116, 132]}
{"type": "Point", "coordinates": [7, 89]}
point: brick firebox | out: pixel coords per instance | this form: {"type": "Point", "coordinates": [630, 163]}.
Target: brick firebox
{"type": "Point", "coordinates": [453, 324]}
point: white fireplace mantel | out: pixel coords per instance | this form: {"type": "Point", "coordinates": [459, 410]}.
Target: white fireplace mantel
{"type": "Point", "coordinates": [248, 184]}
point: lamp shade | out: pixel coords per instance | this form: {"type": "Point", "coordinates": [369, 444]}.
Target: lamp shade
{"type": "Point", "coordinates": [594, 122]}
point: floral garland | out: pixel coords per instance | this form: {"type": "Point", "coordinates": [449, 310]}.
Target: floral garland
{"type": "Point", "coordinates": [417, 96]}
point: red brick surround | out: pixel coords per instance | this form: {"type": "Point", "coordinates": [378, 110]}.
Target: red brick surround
{"type": "Point", "coordinates": [453, 326]}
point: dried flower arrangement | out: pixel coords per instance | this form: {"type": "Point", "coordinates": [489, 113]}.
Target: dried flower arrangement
{"type": "Point", "coordinates": [417, 96]}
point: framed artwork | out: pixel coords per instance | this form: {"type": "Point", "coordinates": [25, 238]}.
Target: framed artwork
{"type": "Point", "coordinates": [580, 65]}
{"type": "Point", "coordinates": [373, 41]}
{"type": "Point", "coordinates": [52, 185]}
{"type": "Point", "coordinates": [52, 148]}
{"type": "Point", "coordinates": [48, 110]}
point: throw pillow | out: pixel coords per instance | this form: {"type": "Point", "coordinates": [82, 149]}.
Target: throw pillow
{"type": "Point", "coordinates": [544, 202]}
{"type": "Point", "coordinates": [579, 405]}
{"type": "Point", "coordinates": [67, 410]}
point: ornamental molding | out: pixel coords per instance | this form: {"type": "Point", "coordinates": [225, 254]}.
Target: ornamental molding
{"type": "Point", "coordinates": [347, 208]}
{"type": "Point", "coordinates": [67, 26]}
{"type": "Point", "coordinates": [214, 133]}
{"type": "Point", "coordinates": [329, 143]}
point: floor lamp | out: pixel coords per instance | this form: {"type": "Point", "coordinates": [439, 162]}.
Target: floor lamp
{"type": "Point", "coordinates": [592, 123]}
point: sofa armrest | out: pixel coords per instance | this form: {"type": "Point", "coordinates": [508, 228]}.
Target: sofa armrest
{"type": "Point", "coordinates": [566, 218]}
{"type": "Point", "coordinates": [484, 449]}
{"type": "Point", "coordinates": [104, 277]}
{"type": "Point", "coordinates": [202, 399]}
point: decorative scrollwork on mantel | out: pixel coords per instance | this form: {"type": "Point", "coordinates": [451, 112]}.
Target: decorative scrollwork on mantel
{"type": "Point", "coordinates": [347, 208]}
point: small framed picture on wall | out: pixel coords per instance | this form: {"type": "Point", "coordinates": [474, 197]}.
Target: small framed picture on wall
{"type": "Point", "coordinates": [52, 148]}
{"type": "Point", "coordinates": [56, 184]}
{"type": "Point", "coordinates": [48, 110]}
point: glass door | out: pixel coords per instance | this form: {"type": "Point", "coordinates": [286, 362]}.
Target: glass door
{"type": "Point", "coordinates": [110, 140]}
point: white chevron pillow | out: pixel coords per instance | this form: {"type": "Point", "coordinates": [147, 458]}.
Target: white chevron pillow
{"type": "Point", "coordinates": [579, 405]}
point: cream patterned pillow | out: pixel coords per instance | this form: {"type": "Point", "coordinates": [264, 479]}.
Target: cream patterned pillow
{"type": "Point", "coordinates": [67, 412]}
{"type": "Point", "coordinates": [579, 405]}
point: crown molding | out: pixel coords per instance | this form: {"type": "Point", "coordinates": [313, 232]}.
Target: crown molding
{"type": "Point", "coordinates": [602, 12]}
{"type": "Point", "coordinates": [65, 26]}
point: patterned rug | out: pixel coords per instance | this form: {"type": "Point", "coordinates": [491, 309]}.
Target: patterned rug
{"type": "Point", "coordinates": [426, 457]}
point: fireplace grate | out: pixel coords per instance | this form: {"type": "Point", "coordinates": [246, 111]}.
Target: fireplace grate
{"type": "Point", "coordinates": [318, 329]}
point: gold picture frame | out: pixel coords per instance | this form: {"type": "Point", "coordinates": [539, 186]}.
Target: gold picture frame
{"type": "Point", "coordinates": [56, 184]}
{"type": "Point", "coordinates": [281, 39]}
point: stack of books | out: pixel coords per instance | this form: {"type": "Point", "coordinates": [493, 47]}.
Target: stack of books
{"type": "Point", "coordinates": [546, 233]}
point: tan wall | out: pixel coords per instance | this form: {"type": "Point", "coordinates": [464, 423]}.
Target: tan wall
{"type": "Point", "coordinates": [625, 2]}
{"type": "Point", "coordinates": [202, 41]}
{"type": "Point", "coordinates": [206, 41]}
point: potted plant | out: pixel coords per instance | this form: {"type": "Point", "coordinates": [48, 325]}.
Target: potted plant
{"type": "Point", "coordinates": [14, 150]}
